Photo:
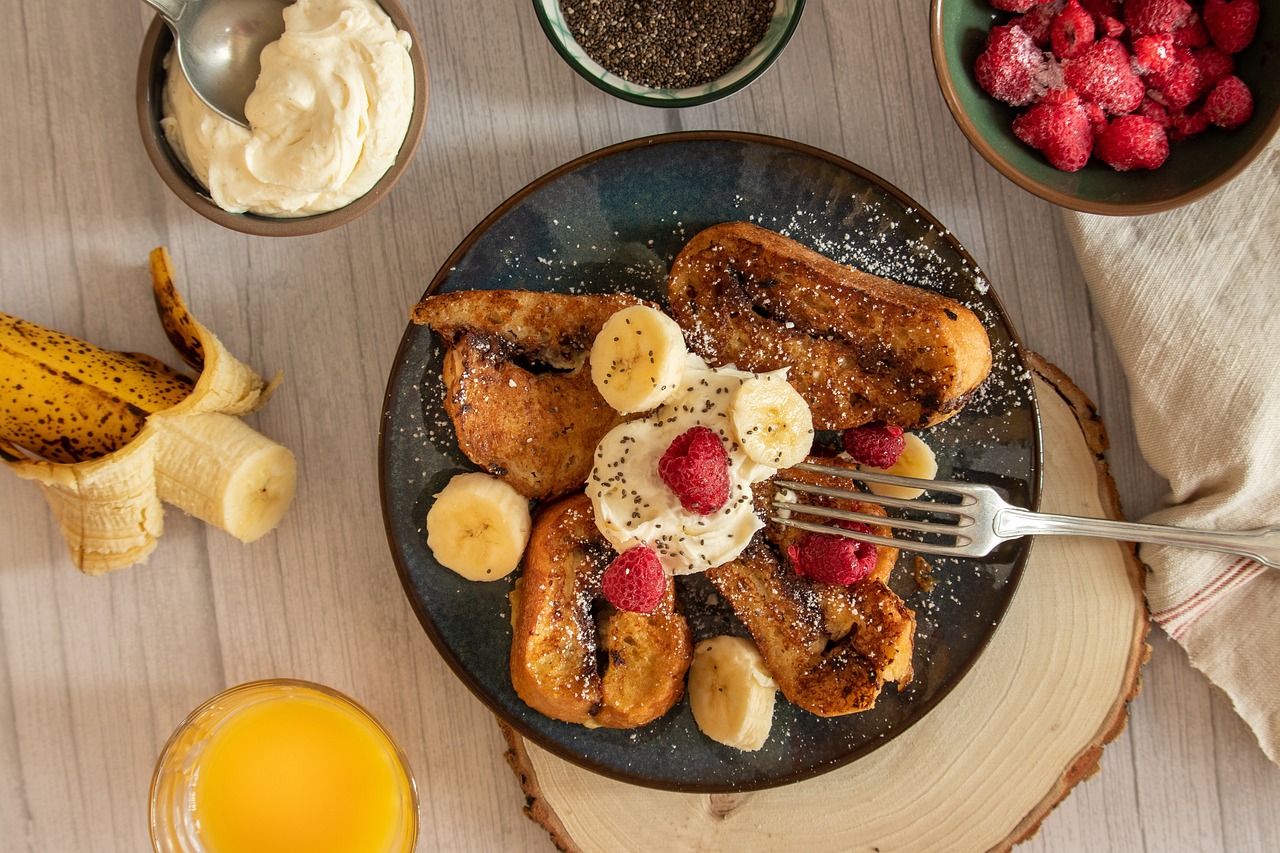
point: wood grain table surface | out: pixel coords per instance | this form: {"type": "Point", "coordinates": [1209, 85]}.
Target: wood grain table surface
{"type": "Point", "coordinates": [96, 672]}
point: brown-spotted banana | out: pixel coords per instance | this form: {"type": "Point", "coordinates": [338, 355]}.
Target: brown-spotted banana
{"type": "Point", "coordinates": [170, 439]}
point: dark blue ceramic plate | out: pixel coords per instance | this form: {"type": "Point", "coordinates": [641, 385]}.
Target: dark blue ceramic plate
{"type": "Point", "coordinates": [614, 220]}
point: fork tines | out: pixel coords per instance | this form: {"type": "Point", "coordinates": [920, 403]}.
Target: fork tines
{"type": "Point", "coordinates": [956, 518]}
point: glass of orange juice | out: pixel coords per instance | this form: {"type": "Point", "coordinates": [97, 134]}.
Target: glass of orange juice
{"type": "Point", "coordinates": [282, 766]}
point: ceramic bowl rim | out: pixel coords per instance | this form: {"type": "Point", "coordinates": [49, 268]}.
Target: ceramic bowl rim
{"type": "Point", "coordinates": [670, 98]}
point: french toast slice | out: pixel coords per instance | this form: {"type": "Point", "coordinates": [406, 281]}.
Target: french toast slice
{"type": "Point", "coordinates": [574, 657]}
{"type": "Point", "coordinates": [518, 383]}
{"type": "Point", "coordinates": [831, 649]}
{"type": "Point", "coordinates": [859, 347]}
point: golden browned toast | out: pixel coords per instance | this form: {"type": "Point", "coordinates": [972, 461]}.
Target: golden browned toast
{"type": "Point", "coordinates": [573, 657]}
{"type": "Point", "coordinates": [831, 649]}
{"type": "Point", "coordinates": [860, 348]}
{"type": "Point", "coordinates": [518, 383]}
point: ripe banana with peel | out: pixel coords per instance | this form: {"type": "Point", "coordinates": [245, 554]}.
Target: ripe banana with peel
{"type": "Point", "coordinates": [111, 437]}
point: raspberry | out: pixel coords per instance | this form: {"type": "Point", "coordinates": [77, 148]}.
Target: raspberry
{"type": "Point", "coordinates": [1155, 111]}
{"type": "Point", "coordinates": [1146, 17]}
{"type": "Point", "coordinates": [1097, 118]}
{"type": "Point", "coordinates": [1214, 64]}
{"type": "Point", "coordinates": [1071, 31]}
{"type": "Point", "coordinates": [635, 580]}
{"type": "Point", "coordinates": [1111, 27]}
{"type": "Point", "coordinates": [1132, 142]}
{"type": "Point", "coordinates": [1230, 104]}
{"type": "Point", "coordinates": [833, 559]}
{"type": "Point", "coordinates": [1103, 74]}
{"type": "Point", "coordinates": [876, 444]}
{"type": "Point", "coordinates": [1036, 21]}
{"type": "Point", "coordinates": [1154, 53]}
{"type": "Point", "coordinates": [1059, 127]}
{"type": "Point", "coordinates": [1192, 34]}
{"type": "Point", "coordinates": [1231, 23]}
{"type": "Point", "coordinates": [1010, 66]}
{"type": "Point", "coordinates": [1014, 5]}
{"type": "Point", "coordinates": [1187, 125]}
{"type": "Point", "coordinates": [696, 468]}
{"type": "Point", "coordinates": [1181, 84]}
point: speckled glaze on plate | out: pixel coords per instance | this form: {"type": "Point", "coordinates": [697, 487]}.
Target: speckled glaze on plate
{"type": "Point", "coordinates": [613, 220]}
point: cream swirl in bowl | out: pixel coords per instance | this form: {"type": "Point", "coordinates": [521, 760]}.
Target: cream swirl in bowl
{"type": "Point", "coordinates": [328, 115]}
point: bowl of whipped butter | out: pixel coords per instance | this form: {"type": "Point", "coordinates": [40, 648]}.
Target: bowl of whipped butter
{"type": "Point", "coordinates": [335, 119]}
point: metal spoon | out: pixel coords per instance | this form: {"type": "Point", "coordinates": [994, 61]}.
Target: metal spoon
{"type": "Point", "coordinates": [219, 43]}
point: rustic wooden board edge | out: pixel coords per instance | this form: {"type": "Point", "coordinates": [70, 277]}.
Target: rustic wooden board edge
{"type": "Point", "coordinates": [1086, 763]}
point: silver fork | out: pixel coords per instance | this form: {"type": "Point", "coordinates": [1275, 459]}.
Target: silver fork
{"type": "Point", "coordinates": [983, 519]}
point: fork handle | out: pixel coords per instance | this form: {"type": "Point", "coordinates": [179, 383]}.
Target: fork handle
{"type": "Point", "coordinates": [1262, 544]}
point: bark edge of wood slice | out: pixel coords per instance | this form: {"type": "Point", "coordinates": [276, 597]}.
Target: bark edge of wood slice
{"type": "Point", "coordinates": [1066, 660]}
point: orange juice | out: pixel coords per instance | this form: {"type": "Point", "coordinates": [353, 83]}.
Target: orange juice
{"type": "Point", "coordinates": [282, 767]}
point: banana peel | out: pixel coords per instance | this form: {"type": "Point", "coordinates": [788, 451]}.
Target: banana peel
{"type": "Point", "coordinates": [196, 455]}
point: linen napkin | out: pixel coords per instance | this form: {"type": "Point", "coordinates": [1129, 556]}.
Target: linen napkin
{"type": "Point", "coordinates": [1191, 298]}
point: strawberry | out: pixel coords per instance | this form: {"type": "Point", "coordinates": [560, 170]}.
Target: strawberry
{"type": "Point", "coordinates": [1147, 17]}
{"type": "Point", "coordinates": [1230, 104]}
{"type": "Point", "coordinates": [635, 580]}
{"type": "Point", "coordinates": [876, 444]}
{"type": "Point", "coordinates": [1132, 142]}
{"type": "Point", "coordinates": [696, 468]}
{"type": "Point", "coordinates": [1058, 125]}
{"type": "Point", "coordinates": [1011, 66]}
{"type": "Point", "coordinates": [1232, 23]}
{"type": "Point", "coordinates": [833, 559]}
{"type": "Point", "coordinates": [1103, 74]}
{"type": "Point", "coordinates": [1071, 31]}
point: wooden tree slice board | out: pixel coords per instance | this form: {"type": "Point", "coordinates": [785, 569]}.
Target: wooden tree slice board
{"type": "Point", "coordinates": [984, 768]}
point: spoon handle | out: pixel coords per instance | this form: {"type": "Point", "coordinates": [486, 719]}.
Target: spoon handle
{"type": "Point", "coordinates": [170, 10]}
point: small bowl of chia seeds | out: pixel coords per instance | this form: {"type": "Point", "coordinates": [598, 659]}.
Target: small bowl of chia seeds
{"type": "Point", "coordinates": [669, 53]}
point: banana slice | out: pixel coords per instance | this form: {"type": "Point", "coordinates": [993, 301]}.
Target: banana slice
{"type": "Point", "coordinates": [917, 460]}
{"type": "Point", "coordinates": [478, 527]}
{"type": "Point", "coordinates": [731, 693]}
{"type": "Point", "coordinates": [773, 423]}
{"type": "Point", "coordinates": [637, 360]}
{"type": "Point", "coordinates": [220, 470]}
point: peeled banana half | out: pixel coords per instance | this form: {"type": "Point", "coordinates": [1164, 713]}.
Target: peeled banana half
{"type": "Point", "coordinates": [731, 692]}
{"type": "Point", "coordinates": [111, 437]}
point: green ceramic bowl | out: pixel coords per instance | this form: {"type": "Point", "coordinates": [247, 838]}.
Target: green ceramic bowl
{"type": "Point", "coordinates": [786, 16]}
{"type": "Point", "coordinates": [1195, 168]}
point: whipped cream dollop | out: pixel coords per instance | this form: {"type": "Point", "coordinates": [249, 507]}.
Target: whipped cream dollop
{"type": "Point", "coordinates": [328, 115]}
{"type": "Point", "coordinates": [632, 504]}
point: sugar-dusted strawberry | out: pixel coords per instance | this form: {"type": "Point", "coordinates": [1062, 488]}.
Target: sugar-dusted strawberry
{"type": "Point", "coordinates": [1214, 63]}
{"type": "Point", "coordinates": [1181, 84]}
{"type": "Point", "coordinates": [1154, 53]}
{"type": "Point", "coordinates": [1232, 23]}
{"type": "Point", "coordinates": [877, 444]}
{"type": "Point", "coordinates": [834, 559]}
{"type": "Point", "coordinates": [1010, 68]}
{"type": "Point", "coordinates": [1132, 142]}
{"type": "Point", "coordinates": [1104, 74]}
{"type": "Point", "coordinates": [1071, 31]}
{"type": "Point", "coordinates": [1230, 104]}
{"type": "Point", "coordinates": [1146, 17]}
{"type": "Point", "coordinates": [696, 468]}
{"type": "Point", "coordinates": [1058, 125]}
{"type": "Point", "coordinates": [1155, 111]}
{"type": "Point", "coordinates": [1187, 125]}
{"type": "Point", "coordinates": [635, 580]}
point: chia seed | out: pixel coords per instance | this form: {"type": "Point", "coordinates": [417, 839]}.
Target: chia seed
{"type": "Point", "coordinates": [668, 44]}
